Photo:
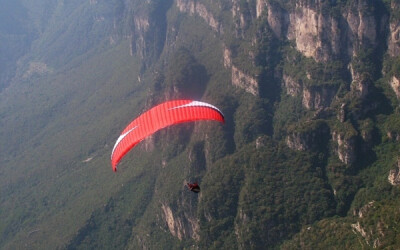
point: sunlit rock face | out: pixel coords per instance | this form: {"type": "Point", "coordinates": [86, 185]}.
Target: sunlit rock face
{"type": "Point", "coordinates": [394, 175]}
{"type": "Point", "coordinates": [240, 79]}
{"type": "Point", "coordinates": [315, 35]}
{"type": "Point", "coordinates": [394, 32]}
{"type": "Point", "coordinates": [359, 85]}
{"type": "Point", "coordinates": [193, 7]}
{"type": "Point", "coordinates": [292, 87]}
{"type": "Point", "coordinates": [244, 81]}
{"type": "Point", "coordinates": [395, 84]}
{"type": "Point", "coordinates": [394, 39]}
{"type": "Point", "coordinates": [362, 26]}
{"type": "Point", "coordinates": [178, 226]}
{"type": "Point", "coordinates": [324, 35]}
{"type": "Point", "coordinates": [345, 148]}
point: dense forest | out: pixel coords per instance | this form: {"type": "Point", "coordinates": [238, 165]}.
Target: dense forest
{"type": "Point", "coordinates": [308, 157]}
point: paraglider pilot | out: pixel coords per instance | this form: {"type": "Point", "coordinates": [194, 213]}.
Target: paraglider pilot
{"type": "Point", "coordinates": [194, 187]}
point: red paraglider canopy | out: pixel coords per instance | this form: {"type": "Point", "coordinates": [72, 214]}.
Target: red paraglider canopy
{"type": "Point", "coordinates": [158, 117]}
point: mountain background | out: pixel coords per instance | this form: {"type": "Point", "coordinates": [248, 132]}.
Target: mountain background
{"type": "Point", "coordinates": [308, 157]}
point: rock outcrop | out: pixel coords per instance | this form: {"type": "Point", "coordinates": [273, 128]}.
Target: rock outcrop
{"type": "Point", "coordinates": [394, 175]}
{"type": "Point", "coordinates": [311, 135]}
{"type": "Point", "coordinates": [278, 18]}
{"type": "Point", "coordinates": [138, 42]}
{"type": "Point", "coordinates": [362, 26]}
{"type": "Point", "coordinates": [244, 81]}
{"type": "Point", "coordinates": [260, 6]}
{"type": "Point", "coordinates": [360, 84]}
{"type": "Point", "coordinates": [292, 87]}
{"type": "Point", "coordinates": [239, 78]}
{"type": "Point", "coordinates": [180, 227]}
{"type": "Point", "coordinates": [193, 7]}
{"type": "Point", "coordinates": [372, 234]}
{"type": "Point", "coordinates": [345, 147]}
{"type": "Point", "coordinates": [315, 35]}
{"type": "Point", "coordinates": [318, 97]}
{"type": "Point", "coordinates": [394, 39]}
{"type": "Point", "coordinates": [324, 35]}
{"type": "Point", "coordinates": [395, 84]}
{"type": "Point", "coordinates": [38, 68]}
{"type": "Point", "coordinates": [394, 32]}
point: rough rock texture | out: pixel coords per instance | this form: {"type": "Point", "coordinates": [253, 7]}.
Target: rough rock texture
{"type": "Point", "coordinates": [392, 135]}
{"type": "Point", "coordinates": [395, 84]}
{"type": "Point", "coordinates": [394, 39]}
{"type": "Point", "coordinates": [394, 33]}
{"type": "Point", "coordinates": [359, 85]}
{"type": "Point", "coordinates": [323, 35]}
{"type": "Point", "coordinates": [180, 227]}
{"type": "Point", "coordinates": [194, 7]}
{"type": "Point", "coordinates": [394, 175]}
{"type": "Point", "coordinates": [138, 43]}
{"type": "Point", "coordinates": [278, 19]}
{"type": "Point", "coordinates": [239, 78]}
{"type": "Point", "coordinates": [311, 139]}
{"type": "Point", "coordinates": [293, 87]}
{"type": "Point", "coordinates": [246, 82]}
{"type": "Point", "coordinates": [345, 147]}
{"type": "Point", "coordinates": [363, 26]}
{"type": "Point", "coordinates": [363, 210]}
{"type": "Point", "coordinates": [260, 6]}
{"type": "Point", "coordinates": [318, 97]}
{"type": "Point", "coordinates": [316, 35]}
{"type": "Point", "coordinates": [299, 142]}
{"type": "Point", "coordinates": [365, 230]}
{"type": "Point", "coordinates": [341, 114]}
{"type": "Point", "coordinates": [39, 68]}
{"type": "Point", "coordinates": [260, 142]}
{"type": "Point", "coordinates": [241, 18]}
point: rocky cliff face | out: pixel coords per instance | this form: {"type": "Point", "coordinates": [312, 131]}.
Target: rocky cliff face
{"type": "Point", "coordinates": [308, 28]}
{"type": "Point", "coordinates": [143, 25]}
{"type": "Point", "coordinates": [395, 84]}
{"type": "Point", "coordinates": [360, 83]}
{"type": "Point", "coordinates": [394, 175]}
{"type": "Point", "coordinates": [394, 33]}
{"type": "Point", "coordinates": [184, 226]}
{"type": "Point", "coordinates": [325, 35]}
{"type": "Point", "coordinates": [313, 136]}
{"type": "Point", "coordinates": [238, 77]}
{"type": "Point", "coordinates": [293, 87]}
{"type": "Point", "coordinates": [318, 97]}
{"type": "Point", "coordinates": [137, 37]}
{"type": "Point", "coordinates": [394, 39]}
{"type": "Point", "coordinates": [345, 147]}
{"type": "Point", "coordinates": [193, 7]}
{"type": "Point", "coordinates": [365, 233]}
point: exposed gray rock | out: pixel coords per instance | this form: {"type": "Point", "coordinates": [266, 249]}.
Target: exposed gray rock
{"type": "Point", "coordinates": [345, 147]}
{"type": "Point", "coordinates": [318, 97]}
{"type": "Point", "coordinates": [394, 175]}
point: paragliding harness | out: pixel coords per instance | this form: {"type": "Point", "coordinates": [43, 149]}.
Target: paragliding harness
{"type": "Point", "coordinates": [194, 187]}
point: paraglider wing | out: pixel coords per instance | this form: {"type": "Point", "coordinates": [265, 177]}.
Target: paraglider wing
{"type": "Point", "coordinates": [158, 117]}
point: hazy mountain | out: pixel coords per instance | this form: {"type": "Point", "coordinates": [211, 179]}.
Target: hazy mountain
{"type": "Point", "coordinates": [307, 158]}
